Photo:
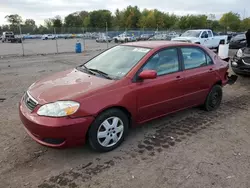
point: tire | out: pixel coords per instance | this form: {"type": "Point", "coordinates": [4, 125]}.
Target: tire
{"type": "Point", "coordinates": [116, 41]}
{"type": "Point", "coordinates": [46, 38]}
{"type": "Point", "coordinates": [214, 98]}
{"type": "Point", "coordinates": [106, 143]}
{"type": "Point", "coordinates": [126, 40]}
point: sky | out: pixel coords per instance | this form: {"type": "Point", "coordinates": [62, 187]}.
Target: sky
{"type": "Point", "coordinates": [43, 9]}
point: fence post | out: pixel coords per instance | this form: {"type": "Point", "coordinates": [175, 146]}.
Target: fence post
{"type": "Point", "coordinates": [20, 29]}
{"type": "Point", "coordinates": [83, 39]}
{"type": "Point", "coordinates": [56, 40]}
{"type": "Point", "coordinates": [107, 35]}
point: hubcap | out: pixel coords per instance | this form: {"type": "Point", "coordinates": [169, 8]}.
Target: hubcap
{"type": "Point", "coordinates": [215, 99]}
{"type": "Point", "coordinates": [110, 131]}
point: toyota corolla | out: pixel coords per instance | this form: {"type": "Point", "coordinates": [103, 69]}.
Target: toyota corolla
{"type": "Point", "coordinates": [124, 86]}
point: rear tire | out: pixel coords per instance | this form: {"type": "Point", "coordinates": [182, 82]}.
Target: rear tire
{"type": "Point", "coordinates": [112, 127]}
{"type": "Point", "coordinates": [116, 41]}
{"type": "Point", "coordinates": [214, 98]}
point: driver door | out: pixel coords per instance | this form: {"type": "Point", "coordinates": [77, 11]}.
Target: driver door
{"type": "Point", "coordinates": [164, 94]}
{"type": "Point", "coordinates": [204, 39]}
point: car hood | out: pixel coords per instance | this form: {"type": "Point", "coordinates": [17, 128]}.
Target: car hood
{"type": "Point", "coordinates": [66, 85]}
{"type": "Point", "coordinates": [184, 38]}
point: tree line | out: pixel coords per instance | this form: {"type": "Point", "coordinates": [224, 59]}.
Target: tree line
{"type": "Point", "coordinates": [128, 18]}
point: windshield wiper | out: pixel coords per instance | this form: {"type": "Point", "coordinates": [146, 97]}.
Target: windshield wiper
{"type": "Point", "coordinates": [83, 67]}
{"type": "Point", "coordinates": [101, 73]}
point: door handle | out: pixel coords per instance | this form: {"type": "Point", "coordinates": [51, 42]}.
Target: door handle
{"type": "Point", "coordinates": [178, 77]}
{"type": "Point", "coordinates": [211, 69]}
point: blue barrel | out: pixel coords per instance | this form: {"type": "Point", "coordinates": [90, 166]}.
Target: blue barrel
{"type": "Point", "coordinates": [78, 47]}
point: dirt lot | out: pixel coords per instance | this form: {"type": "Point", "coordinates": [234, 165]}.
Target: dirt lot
{"type": "Point", "coordinates": [33, 46]}
{"type": "Point", "coordinates": [191, 149]}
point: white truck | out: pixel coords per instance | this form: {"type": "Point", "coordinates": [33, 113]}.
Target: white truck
{"type": "Point", "coordinates": [205, 37]}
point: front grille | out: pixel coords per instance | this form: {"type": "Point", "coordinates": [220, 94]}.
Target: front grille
{"type": "Point", "coordinates": [29, 101]}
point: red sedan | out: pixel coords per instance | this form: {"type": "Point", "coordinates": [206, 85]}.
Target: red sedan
{"type": "Point", "coordinates": [124, 86]}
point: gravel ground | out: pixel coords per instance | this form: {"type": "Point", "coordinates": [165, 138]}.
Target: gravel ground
{"type": "Point", "coordinates": [189, 149]}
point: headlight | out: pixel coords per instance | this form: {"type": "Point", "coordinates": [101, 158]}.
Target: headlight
{"type": "Point", "coordinates": [239, 53]}
{"type": "Point", "coordinates": [58, 109]}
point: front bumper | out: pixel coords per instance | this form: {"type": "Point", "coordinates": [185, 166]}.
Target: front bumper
{"type": "Point", "coordinates": [54, 132]}
{"type": "Point", "coordinates": [240, 66]}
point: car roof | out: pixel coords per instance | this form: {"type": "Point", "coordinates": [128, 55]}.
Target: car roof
{"type": "Point", "coordinates": [157, 44]}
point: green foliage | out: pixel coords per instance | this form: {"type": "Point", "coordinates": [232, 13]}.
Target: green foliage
{"type": "Point", "coordinates": [128, 18]}
{"type": "Point", "coordinates": [99, 18]}
{"type": "Point", "coordinates": [14, 19]}
{"type": "Point", "coordinates": [231, 21]}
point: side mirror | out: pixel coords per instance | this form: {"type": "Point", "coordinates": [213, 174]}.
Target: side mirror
{"type": "Point", "coordinates": [148, 74]}
{"type": "Point", "coordinates": [206, 35]}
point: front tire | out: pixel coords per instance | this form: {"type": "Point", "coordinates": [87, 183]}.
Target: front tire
{"type": "Point", "coordinates": [108, 130]}
{"type": "Point", "coordinates": [214, 98]}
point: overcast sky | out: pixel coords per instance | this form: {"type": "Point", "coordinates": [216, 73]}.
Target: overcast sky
{"type": "Point", "coordinates": [42, 9]}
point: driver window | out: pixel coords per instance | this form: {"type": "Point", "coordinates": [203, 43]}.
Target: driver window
{"type": "Point", "coordinates": [210, 34]}
{"type": "Point", "coordinates": [164, 62]}
{"type": "Point", "coordinates": [203, 34]}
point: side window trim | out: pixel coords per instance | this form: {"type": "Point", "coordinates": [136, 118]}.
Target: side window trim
{"type": "Point", "coordinates": [135, 78]}
{"type": "Point", "coordinates": [201, 49]}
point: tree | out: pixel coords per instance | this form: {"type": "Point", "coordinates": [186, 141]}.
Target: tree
{"type": "Point", "coordinates": [57, 22]}
{"type": "Point", "coordinates": [75, 19]}
{"type": "Point", "coordinates": [245, 24]}
{"type": "Point", "coordinates": [230, 21]}
{"type": "Point", "coordinates": [14, 19]}
{"type": "Point", "coordinates": [193, 21]}
{"type": "Point", "coordinates": [118, 19]}
{"type": "Point", "coordinates": [48, 23]}
{"type": "Point", "coordinates": [131, 17]}
{"type": "Point", "coordinates": [42, 30]}
{"type": "Point", "coordinates": [86, 21]}
{"type": "Point", "coordinates": [4, 28]}
{"type": "Point", "coordinates": [99, 18]}
{"type": "Point", "coordinates": [30, 22]}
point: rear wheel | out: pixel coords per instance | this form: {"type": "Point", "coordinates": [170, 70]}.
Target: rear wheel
{"type": "Point", "coordinates": [108, 130]}
{"type": "Point", "coordinates": [116, 40]}
{"type": "Point", "coordinates": [214, 98]}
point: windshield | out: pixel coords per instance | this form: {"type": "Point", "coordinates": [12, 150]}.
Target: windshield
{"type": "Point", "coordinates": [191, 33]}
{"type": "Point", "coordinates": [117, 61]}
{"type": "Point", "coordinates": [239, 37]}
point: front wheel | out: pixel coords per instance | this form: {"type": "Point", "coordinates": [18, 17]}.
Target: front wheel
{"type": "Point", "coordinates": [214, 98]}
{"type": "Point", "coordinates": [108, 130]}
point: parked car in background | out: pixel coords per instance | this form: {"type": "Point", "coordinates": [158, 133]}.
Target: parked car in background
{"type": "Point", "coordinates": [9, 36]}
{"type": "Point", "coordinates": [204, 37]}
{"type": "Point", "coordinates": [124, 37]}
{"type": "Point", "coordinates": [240, 63]}
{"type": "Point", "coordinates": [145, 36]}
{"type": "Point", "coordinates": [239, 41]}
{"type": "Point", "coordinates": [122, 87]}
{"type": "Point", "coordinates": [69, 36]}
{"type": "Point", "coordinates": [160, 37]}
{"type": "Point", "coordinates": [103, 38]}
{"type": "Point", "coordinates": [49, 36]}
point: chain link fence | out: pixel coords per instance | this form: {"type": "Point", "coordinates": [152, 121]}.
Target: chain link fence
{"type": "Point", "coordinates": [34, 41]}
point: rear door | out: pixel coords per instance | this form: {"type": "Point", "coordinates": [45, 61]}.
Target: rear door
{"type": "Point", "coordinates": [199, 74]}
